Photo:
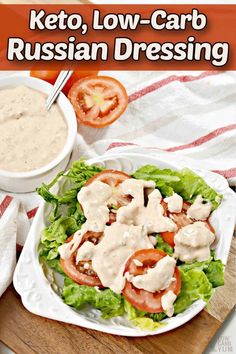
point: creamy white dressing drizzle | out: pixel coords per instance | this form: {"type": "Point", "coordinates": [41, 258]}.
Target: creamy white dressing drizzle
{"type": "Point", "coordinates": [167, 301]}
{"type": "Point", "coordinates": [110, 255]}
{"type": "Point", "coordinates": [174, 203]}
{"type": "Point", "coordinates": [153, 240]}
{"type": "Point", "coordinates": [192, 242]}
{"type": "Point", "coordinates": [93, 199]}
{"type": "Point", "coordinates": [136, 213]}
{"type": "Point", "coordinates": [199, 210]}
{"type": "Point", "coordinates": [130, 232]}
{"type": "Point", "coordinates": [157, 278]}
{"type": "Point", "coordinates": [86, 252]}
{"type": "Point", "coordinates": [31, 135]}
{"type": "Point", "coordinates": [68, 248]}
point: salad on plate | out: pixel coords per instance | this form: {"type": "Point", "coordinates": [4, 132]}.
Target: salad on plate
{"type": "Point", "coordinates": [140, 245]}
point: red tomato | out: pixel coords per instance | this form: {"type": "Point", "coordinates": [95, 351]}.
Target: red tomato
{"type": "Point", "coordinates": [168, 237]}
{"type": "Point", "coordinates": [98, 100]}
{"type": "Point", "coordinates": [51, 76]}
{"type": "Point", "coordinates": [77, 75]}
{"type": "Point", "coordinates": [77, 272]}
{"type": "Point", "coordinates": [113, 178]}
{"type": "Point", "coordinates": [181, 220]}
{"type": "Point", "coordinates": [141, 299]}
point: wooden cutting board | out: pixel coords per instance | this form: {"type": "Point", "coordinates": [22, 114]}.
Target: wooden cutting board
{"type": "Point", "coordinates": [26, 333]}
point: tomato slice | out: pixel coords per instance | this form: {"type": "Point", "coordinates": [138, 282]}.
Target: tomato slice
{"type": "Point", "coordinates": [141, 299]}
{"type": "Point", "coordinates": [51, 76]}
{"type": "Point", "coordinates": [78, 272]}
{"type": "Point", "coordinates": [168, 237]}
{"type": "Point", "coordinates": [113, 178]}
{"type": "Point", "coordinates": [98, 100]}
{"type": "Point", "coordinates": [181, 220]}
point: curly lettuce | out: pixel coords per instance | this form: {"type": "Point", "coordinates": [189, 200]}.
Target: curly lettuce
{"type": "Point", "coordinates": [185, 182]}
{"type": "Point", "coordinates": [195, 285]}
{"type": "Point", "coordinates": [143, 320]}
{"type": "Point", "coordinates": [109, 303]}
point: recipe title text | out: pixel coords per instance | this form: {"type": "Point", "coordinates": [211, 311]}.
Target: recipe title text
{"type": "Point", "coordinates": [124, 48]}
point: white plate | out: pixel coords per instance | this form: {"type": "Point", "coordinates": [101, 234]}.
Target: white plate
{"type": "Point", "coordinates": [37, 292]}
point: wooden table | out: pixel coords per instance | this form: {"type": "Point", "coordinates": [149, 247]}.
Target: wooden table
{"type": "Point", "coordinates": [26, 333]}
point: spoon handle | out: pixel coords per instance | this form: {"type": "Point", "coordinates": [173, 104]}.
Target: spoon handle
{"type": "Point", "coordinates": [61, 80]}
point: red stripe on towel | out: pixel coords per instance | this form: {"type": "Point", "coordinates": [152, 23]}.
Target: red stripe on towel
{"type": "Point", "coordinates": [31, 213]}
{"type": "Point", "coordinates": [4, 204]}
{"type": "Point", "coordinates": [203, 139]}
{"type": "Point", "coordinates": [227, 173]}
{"type": "Point", "coordinates": [156, 85]}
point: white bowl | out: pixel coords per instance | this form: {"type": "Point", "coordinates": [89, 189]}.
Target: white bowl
{"type": "Point", "coordinates": [38, 292]}
{"type": "Point", "coordinates": [28, 181]}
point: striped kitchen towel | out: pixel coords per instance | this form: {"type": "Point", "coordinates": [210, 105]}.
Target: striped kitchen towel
{"type": "Point", "coordinates": [192, 115]}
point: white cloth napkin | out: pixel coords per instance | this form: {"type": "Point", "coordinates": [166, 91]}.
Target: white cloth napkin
{"type": "Point", "coordinates": [189, 117]}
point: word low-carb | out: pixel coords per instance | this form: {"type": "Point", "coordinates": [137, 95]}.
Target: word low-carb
{"type": "Point", "coordinates": [159, 20]}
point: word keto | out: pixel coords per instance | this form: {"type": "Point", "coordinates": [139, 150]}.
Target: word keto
{"type": "Point", "coordinates": [121, 48]}
{"type": "Point", "coordinates": [62, 21]}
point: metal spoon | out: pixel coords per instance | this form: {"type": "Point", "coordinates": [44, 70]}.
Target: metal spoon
{"type": "Point", "coordinates": [61, 80]}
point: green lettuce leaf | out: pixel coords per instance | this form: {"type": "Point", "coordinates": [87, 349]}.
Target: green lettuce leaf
{"type": "Point", "coordinates": [143, 320]}
{"type": "Point", "coordinates": [109, 303]}
{"type": "Point", "coordinates": [132, 312]}
{"type": "Point", "coordinates": [186, 183]}
{"type": "Point", "coordinates": [55, 235]}
{"type": "Point", "coordinates": [71, 183]}
{"type": "Point", "coordinates": [163, 246]}
{"type": "Point", "coordinates": [214, 270]}
{"type": "Point", "coordinates": [54, 264]}
{"type": "Point", "coordinates": [146, 323]}
{"type": "Point", "coordinates": [215, 273]}
{"type": "Point", "coordinates": [195, 285]}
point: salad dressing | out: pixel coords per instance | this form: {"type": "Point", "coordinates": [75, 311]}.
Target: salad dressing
{"type": "Point", "coordinates": [199, 210]}
{"type": "Point", "coordinates": [125, 236]}
{"type": "Point", "coordinates": [167, 301]}
{"type": "Point", "coordinates": [93, 199]}
{"type": "Point", "coordinates": [174, 203]}
{"type": "Point", "coordinates": [131, 232]}
{"type": "Point", "coordinates": [157, 278]}
{"type": "Point", "coordinates": [192, 242]}
{"type": "Point", "coordinates": [136, 213]}
{"type": "Point", "coordinates": [110, 255]}
{"type": "Point", "coordinates": [31, 136]}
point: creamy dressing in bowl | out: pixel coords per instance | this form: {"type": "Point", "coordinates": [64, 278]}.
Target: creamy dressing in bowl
{"type": "Point", "coordinates": [31, 137]}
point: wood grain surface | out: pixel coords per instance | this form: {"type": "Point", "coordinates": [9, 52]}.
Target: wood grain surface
{"type": "Point", "coordinates": [26, 333]}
